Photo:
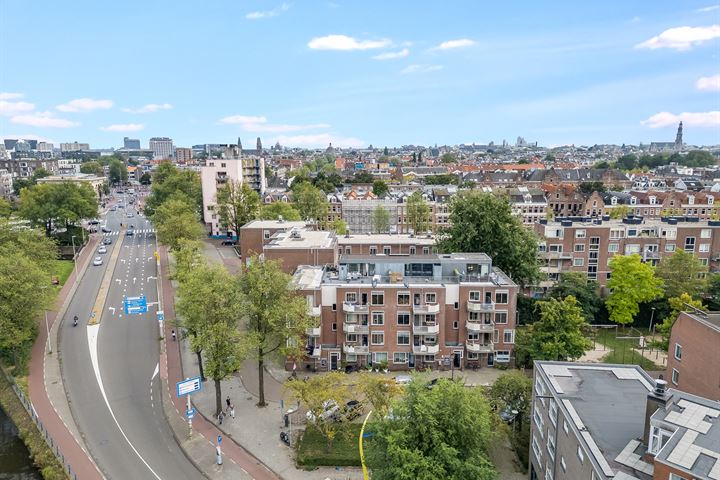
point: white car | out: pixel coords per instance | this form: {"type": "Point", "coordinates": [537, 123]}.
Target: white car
{"type": "Point", "coordinates": [102, 249]}
{"type": "Point", "coordinates": [330, 412]}
{"type": "Point", "coordinates": [130, 215]}
{"type": "Point", "coordinates": [97, 261]}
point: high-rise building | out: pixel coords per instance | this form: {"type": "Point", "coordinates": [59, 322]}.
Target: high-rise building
{"type": "Point", "coordinates": [45, 147]}
{"type": "Point", "coordinates": [74, 147]}
{"type": "Point", "coordinates": [183, 155]}
{"type": "Point", "coordinates": [131, 143]}
{"type": "Point", "coordinates": [678, 138]}
{"type": "Point", "coordinates": [162, 147]}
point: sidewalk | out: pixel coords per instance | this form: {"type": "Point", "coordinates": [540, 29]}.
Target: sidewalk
{"type": "Point", "coordinates": [45, 386]}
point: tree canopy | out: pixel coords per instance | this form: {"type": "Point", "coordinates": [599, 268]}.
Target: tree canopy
{"type": "Point", "coordinates": [176, 220]}
{"type": "Point", "coordinates": [169, 181]}
{"type": "Point", "coordinates": [380, 188]}
{"type": "Point", "coordinates": [63, 203]}
{"type": "Point", "coordinates": [632, 282]}
{"type": "Point", "coordinates": [275, 210]}
{"type": "Point", "coordinates": [418, 213]}
{"type": "Point", "coordinates": [311, 202]}
{"type": "Point", "coordinates": [681, 273]}
{"type": "Point", "coordinates": [92, 167]}
{"type": "Point", "coordinates": [237, 205]}
{"type": "Point", "coordinates": [117, 172]}
{"type": "Point", "coordinates": [585, 292]}
{"type": "Point", "coordinates": [380, 220]}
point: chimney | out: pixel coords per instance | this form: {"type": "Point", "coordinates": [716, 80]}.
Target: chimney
{"type": "Point", "coordinates": [656, 399]}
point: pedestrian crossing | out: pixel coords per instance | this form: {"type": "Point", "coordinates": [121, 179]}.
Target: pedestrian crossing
{"type": "Point", "coordinates": [137, 231]}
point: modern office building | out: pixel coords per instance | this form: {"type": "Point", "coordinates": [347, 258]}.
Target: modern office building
{"type": "Point", "coordinates": [162, 147]}
{"type": "Point", "coordinates": [603, 421]}
{"type": "Point", "coordinates": [74, 147]}
{"type": "Point", "coordinates": [131, 143]}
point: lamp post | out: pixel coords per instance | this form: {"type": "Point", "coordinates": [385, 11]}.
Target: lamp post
{"type": "Point", "coordinates": [74, 258]}
{"type": "Point", "coordinates": [652, 315]}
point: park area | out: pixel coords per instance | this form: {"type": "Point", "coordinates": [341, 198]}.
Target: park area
{"type": "Point", "coordinates": [625, 345]}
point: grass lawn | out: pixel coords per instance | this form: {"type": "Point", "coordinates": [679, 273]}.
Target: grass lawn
{"type": "Point", "coordinates": [623, 348]}
{"type": "Point", "coordinates": [63, 269]}
{"type": "Point", "coordinates": [312, 450]}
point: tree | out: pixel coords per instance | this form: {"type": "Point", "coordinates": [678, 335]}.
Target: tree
{"type": "Point", "coordinates": [713, 299]}
{"type": "Point", "coordinates": [558, 335]}
{"type": "Point", "coordinates": [145, 179]}
{"type": "Point", "coordinates": [311, 202]}
{"type": "Point", "coordinates": [549, 158]}
{"type": "Point", "coordinates": [275, 210]}
{"type": "Point", "coordinates": [339, 226]}
{"type": "Point", "coordinates": [443, 432]}
{"type": "Point", "coordinates": [175, 220]}
{"type": "Point", "coordinates": [315, 393]}
{"type": "Point", "coordinates": [275, 315]}
{"type": "Point", "coordinates": [40, 173]}
{"type": "Point", "coordinates": [587, 188]}
{"type": "Point", "coordinates": [20, 183]}
{"type": "Point", "coordinates": [362, 177]}
{"type": "Point", "coordinates": [237, 204]}
{"type": "Point", "coordinates": [627, 162]}
{"type": "Point", "coordinates": [512, 391]}
{"type": "Point", "coordinates": [483, 222]}
{"type": "Point", "coordinates": [62, 203]}
{"type": "Point", "coordinates": [380, 219]}
{"type": "Point", "coordinates": [379, 391]}
{"type": "Point", "coordinates": [418, 213]}
{"type": "Point", "coordinates": [585, 292]}
{"type": "Point", "coordinates": [632, 282]}
{"type": "Point", "coordinates": [380, 188]}
{"type": "Point", "coordinates": [117, 172]}
{"type": "Point", "coordinates": [5, 208]}
{"type": "Point", "coordinates": [620, 211]}
{"type": "Point", "coordinates": [448, 158]}
{"type": "Point", "coordinates": [93, 168]}
{"type": "Point", "coordinates": [682, 272]}
{"type": "Point", "coordinates": [442, 179]}
{"type": "Point", "coordinates": [168, 181]}
{"type": "Point", "coordinates": [677, 304]}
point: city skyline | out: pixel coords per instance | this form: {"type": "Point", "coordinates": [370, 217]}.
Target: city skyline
{"type": "Point", "coordinates": [310, 74]}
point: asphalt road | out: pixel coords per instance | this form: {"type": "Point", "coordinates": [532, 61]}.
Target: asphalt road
{"type": "Point", "coordinates": [131, 439]}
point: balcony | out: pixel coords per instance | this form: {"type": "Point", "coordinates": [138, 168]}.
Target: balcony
{"type": "Point", "coordinates": [557, 255]}
{"type": "Point", "coordinates": [314, 351]}
{"type": "Point", "coordinates": [480, 306]}
{"type": "Point", "coordinates": [355, 328]}
{"type": "Point", "coordinates": [426, 349]}
{"type": "Point", "coordinates": [312, 332]}
{"type": "Point", "coordinates": [475, 347]}
{"type": "Point", "coordinates": [355, 349]}
{"type": "Point", "coordinates": [651, 255]}
{"type": "Point", "coordinates": [427, 308]}
{"type": "Point", "coordinates": [478, 327]}
{"type": "Point", "coordinates": [221, 178]}
{"type": "Point", "coordinates": [314, 311]}
{"type": "Point", "coordinates": [355, 308]}
{"type": "Point", "coordinates": [431, 329]}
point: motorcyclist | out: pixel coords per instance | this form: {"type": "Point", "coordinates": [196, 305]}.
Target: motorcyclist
{"type": "Point", "coordinates": [75, 320]}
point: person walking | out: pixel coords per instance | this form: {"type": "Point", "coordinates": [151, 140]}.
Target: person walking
{"type": "Point", "coordinates": [227, 402]}
{"type": "Point", "coordinates": [221, 417]}
{"type": "Point", "coordinates": [174, 337]}
{"type": "Point", "coordinates": [232, 411]}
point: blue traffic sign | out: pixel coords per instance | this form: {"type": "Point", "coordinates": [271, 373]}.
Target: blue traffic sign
{"type": "Point", "coordinates": [190, 413]}
{"type": "Point", "coordinates": [186, 387]}
{"type": "Point", "coordinates": [219, 439]}
{"type": "Point", "coordinates": [160, 315]}
{"type": "Point", "coordinates": [135, 305]}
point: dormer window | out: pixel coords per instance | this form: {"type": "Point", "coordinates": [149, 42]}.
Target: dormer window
{"type": "Point", "coordinates": [633, 200]}
{"type": "Point", "coordinates": [691, 199]}
{"type": "Point", "coordinates": [613, 201]}
{"type": "Point", "coordinates": [711, 199]}
{"type": "Point", "coordinates": [653, 200]}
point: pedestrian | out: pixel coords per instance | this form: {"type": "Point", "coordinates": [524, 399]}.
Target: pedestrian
{"type": "Point", "coordinates": [173, 335]}
{"type": "Point", "coordinates": [232, 411]}
{"type": "Point", "coordinates": [221, 417]}
{"type": "Point", "coordinates": [227, 401]}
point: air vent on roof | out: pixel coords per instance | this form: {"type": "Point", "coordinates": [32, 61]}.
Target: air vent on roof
{"type": "Point", "coordinates": [295, 234]}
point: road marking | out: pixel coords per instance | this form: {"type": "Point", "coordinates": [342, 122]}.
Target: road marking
{"type": "Point", "coordinates": [92, 332]}
{"type": "Point", "coordinates": [157, 370]}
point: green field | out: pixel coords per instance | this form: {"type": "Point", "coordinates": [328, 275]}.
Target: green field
{"type": "Point", "coordinates": [63, 269]}
{"type": "Point", "coordinates": [623, 349]}
{"type": "Point", "coordinates": [312, 450]}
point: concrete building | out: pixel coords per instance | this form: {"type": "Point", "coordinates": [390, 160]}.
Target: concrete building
{"type": "Point", "coordinates": [695, 346]}
{"type": "Point", "coordinates": [74, 147]}
{"type": "Point", "coordinates": [412, 311]}
{"type": "Point", "coordinates": [162, 147]}
{"type": "Point", "coordinates": [6, 183]}
{"type": "Point", "coordinates": [131, 143]}
{"type": "Point", "coordinates": [95, 182]}
{"type": "Point", "coordinates": [24, 167]}
{"type": "Point", "coordinates": [602, 421]}
{"type": "Point", "coordinates": [183, 155]}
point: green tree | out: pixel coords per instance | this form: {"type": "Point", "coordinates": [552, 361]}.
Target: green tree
{"type": "Point", "coordinates": [443, 179]}
{"type": "Point", "coordinates": [677, 304]}
{"type": "Point", "coordinates": [632, 282]}
{"type": "Point", "coordinates": [117, 172]}
{"type": "Point", "coordinates": [483, 222]}
{"type": "Point", "coordinates": [20, 183]}
{"type": "Point", "coordinates": [145, 179]}
{"type": "Point", "coordinates": [587, 188]}
{"type": "Point", "coordinates": [512, 391]}
{"type": "Point", "coordinates": [339, 226]}
{"type": "Point", "coordinates": [418, 213]}
{"type": "Point", "coordinates": [63, 203]}
{"type": "Point", "coordinates": [93, 168]}
{"type": "Point", "coordinates": [237, 205]}
{"type": "Point", "coordinates": [380, 188]}
{"type": "Point", "coordinates": [175, 220]}
{"type": "Point", "coordinates": [311, 202]}
{"type": "Point", "coordinates": [713, 298]}
{"type": "Point", "coordinates": [362, 177]}
{"type": "Point", "coordinates": [585, 292]}
{"type": "Point", "coordinates": [620, 211]}
{"type": "Point", "coordinates": [682, 272]}
{"type": "Point", "coordinates": [448, 158]}
{"type": "Point", "coordinates": [5, 208]}
{"type": "Point", "coordinates": [549, 158]}
{"type": "Point", "coordinates": [275, 210]}
{"type": "Point", "coordinates": [380, 220]}
{"type": "Point", "coordinates": [443, 432]}
{"type": "Point", "coordinates": [40, 173]}
{"type": "Point", "coordinates": [168, 182]}
{"type": "Point", "coordinates": [275, 315]}
{"type": "Point", "coordinates": [627, 162]}
{"type": "Point", "coordinates": [379, 391]}
{"type": "Point", "coordinates": [558, 335]}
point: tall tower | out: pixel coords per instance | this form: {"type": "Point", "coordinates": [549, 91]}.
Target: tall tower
{"type": "Point", "coordinates": [239, 144]}
{"type": "Point", "coordinates": [258, 146]}
{"type": "Point", "coordinates": [678, 138]}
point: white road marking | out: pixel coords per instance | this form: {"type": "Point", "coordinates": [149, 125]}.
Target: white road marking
{"type": "Point", "coordinates": [157, 370]}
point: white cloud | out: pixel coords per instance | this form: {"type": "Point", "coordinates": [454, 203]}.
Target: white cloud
{"type": "Point", "coordinates": [392, 55]}
{"type": "Point", "coordinates": [689, 119]}
{"type": "Point", "coordinates": [318, 140]}
{"type": "Point", "coordinates": [13, 108]}
{"type": "Point", "coordinates": [681, 38]}
{"type": "Point", "coordinates": [123, 127]}
{"type": "Point", "coordinates": [10, 96]}
{"type": "Point", "coordinates": [43, 119]}
{"type": "Point", "coordinates": [240, 119]}
{"type": "Point", "coordinates": [709, 84]}
{"type": "Point", "coordinates": [149, 108]}
{"type": "Point", "coordinates": [420, 68]}
{"type": "Point", "coordinates": [268, 13]}
{"type": "Point", "coordinates": [707, 9]}
{"type": "Point", "coordinates": [85, 105]}
{"type": "Point", "coordinates": [343, 42]}
{"type": "Point", "coordinates": [450, 44]}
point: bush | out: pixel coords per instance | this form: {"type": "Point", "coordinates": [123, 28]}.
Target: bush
{"type": "Point", "coordinates": [312, 448]}
{"type": "Point", "coordinates": [520, 441]}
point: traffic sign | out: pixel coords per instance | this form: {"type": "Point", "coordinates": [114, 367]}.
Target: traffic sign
{"type": "Point", "coordinates": [190, 413]}
{"type": "Point", "coordinates": [160, 315]}
{"type": "Point", "coordinates": [191, 385]}
{"type": "Point", "coordinates": [135, 305]}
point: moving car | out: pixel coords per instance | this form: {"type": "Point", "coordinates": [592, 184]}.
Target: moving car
{"type": "Point", "coordinates": [97, 261]}
{"type": "Point", "coordinates": [228, 242]}
{"type": "Point", "coordinates": [107, 241]}
{"type": "Point", "coordinates": [106, 230]}
{"type": "Point", "coordinates": [130, 232]}
{"type": "Point", "coordinates": [93, 222]}
{"type": "Point", "coordinates": [102, 249]}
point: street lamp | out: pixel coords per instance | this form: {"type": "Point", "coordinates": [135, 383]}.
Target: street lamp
{"type": "Point", "coordinates": [652, 314]}
{"type": "Point", "coordinates": [75, 258]}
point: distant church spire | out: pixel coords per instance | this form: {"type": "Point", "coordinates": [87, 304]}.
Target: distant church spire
{"type": "Point", "coordinates": [239, 145]}
{"type": "Point", "coordinates": [259, 146]}
{"type": "Point", "coordinates": [678, 138]}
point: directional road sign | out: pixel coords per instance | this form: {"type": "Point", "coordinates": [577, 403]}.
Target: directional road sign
{"type": "Point", "coordinates": [190, 413]}
{"type": "Point", "coordinates": [191, 385]}
{"type": "Point", "coordinates": [135, 305]}
{"type": "Point", "coordinates": [160, 315]}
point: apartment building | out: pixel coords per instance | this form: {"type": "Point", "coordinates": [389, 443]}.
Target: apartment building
{"type": "Point", "coordinates": [703, 205]}
{"type": "Point", "coordinates": [587, 245]}
{"type": "Point", "coordinates": [183, 155]}
{"type": "Point", "coordinates": [694, 346]}
{"type": "Point", "coordinates": [24, 167]}
{"type": "Point", "coordinates": [6, 183]}
{"type": "Point", "coordinates": [93, 181]}
{"type": "Point", "coordinates": [412, 311]}
{"type": "Point", "coordinates": [162, 147]}
{"type": "Point", "coordinates": [603, 421]}
{"type": "Point", "coordinates": [74, 147]}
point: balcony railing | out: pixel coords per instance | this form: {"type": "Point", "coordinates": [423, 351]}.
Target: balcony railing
{"type": "Point", "coordinates": [475, 347]}
{"type": "Point", "coordinates": [355, 308]}
{"type": "Point", "coordinates": [314, 351]}
{"type": "Point", "coordinates": [426, 308]}
{"type": "Point", "coordinates": [559, 255]}
{"type": "Point", "coordinates": [479, 327]}
{"type": "Point", "coordinates": [355, 328]}
{"type": "Point", "coordinates": [426, 349]}
{"type": "Point", "coordinates": [312, 332]}
{"type": "Point", "coordinates": [356, 349]}
{"type": "Point", "coordinates": [426, 329]}
{"type": "Point", "coordinates": [480, 306]}
{"type": "Point", "coordinates": [314, 311]}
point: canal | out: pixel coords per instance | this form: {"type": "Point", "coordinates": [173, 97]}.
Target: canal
{"type": "Point", "coordinates": [15, 463]}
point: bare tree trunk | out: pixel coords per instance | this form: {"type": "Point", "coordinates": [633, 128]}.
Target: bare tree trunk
{"type": "Point", "coordinates": [218, 398]}
{"type": "Point", "coordinates": [261, 378]}
{"type": "Point", "coordinates": [200, 363]}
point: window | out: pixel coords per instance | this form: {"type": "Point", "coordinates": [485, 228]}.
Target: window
{"type": "Point", "coordinates": [403, 298]}
{"type": "Point", "coordinates": [704, 247]}
{"type": "Point", "coordinates": [379, 357]}
{"type": "Point", "coordinates": [551, 444]}
{"type": "Point", "coordinates": [386, 250]}
{"type": "Point", "coordinates": [562, 463]}
{"type": "Point", "coordinates": [500, 318]}
{"type": "Point", "coordinates": [378, 318]}
{"type": "Point", "coordinates": [578, 262]}
{"type": "Point", "coordinates": [553, 412]}
{"type": "Point", "coordinates": [548, 471]}
{"type": "Point", "coordinates": [403, 318]}
{"type": "Point", "coordinates": [689, 244]}
{"type": "Point", "coordinates": [537, 417]}
{"type": "Point", "coordinates": [430, 298]}
{"type": "Point", "coordinates": [536, 448]}
{"type": "Point", "coordinates": [674, 476]}
{"type": "Point", "coordinates": [658, 439]}
{"type": "Point", "coordinates": [350, 297]}
{"type": "Point", "coordinates": [377, 298]}
{"type": "Point", "coordinates": [400, 357]}
{"type": "Point", "coordinates": [334, 327]}
{"type": "Point", "coordinates": [412, 250]}
{"type": "Point", "coordinates": [678, 351]}
{"type": "Point", "coordinates": [350, 358]}
{"type": "Point", "coordinates": [348, 250]}
{"type": "Point", "coordinates": [474, 296]}
{"type": "Point", "coordinates": [351, 337]}
{"type": "Point", "coordinates": [580, 233]}
{"type": "Point", "coordinates": [675, 376]}
{"type": "Point", "coordinates": [579, 247]}
{"type": "Point", "coordinates": [456, 325]}
{"type": "Point", "coordinates": [403, 338]}
{"type": "Point", "coordinates": [565, 427]}
{"type": "Point", "coordinates": [509, 336]}
{"type": "Point", "coordinates": [669, 247]}
{"type": "Point", "coordinates": [613, 248]}
{"type": "Point", "coordinates": [501, 297]}
{"type": "Point", "coordinates": [705, 233]}
{"type": "Point", "coordinates": [373, 250]}
{"type": "Point", "coordinates": [580, 454]}
{"type": "Point", "coordinates": [496, 336]}
{"type": "Point", "coordinates": [377, 338]}
{"type": "Point", "coordinates": [426, 250]}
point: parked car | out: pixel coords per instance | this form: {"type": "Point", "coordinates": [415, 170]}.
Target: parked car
{"type": "Point", "coordinates": [97, 261]}
{"type": "Point", "coordinates": [130, 214]}
{"type": "Point", "coordinates": [130, 232]}
{"type": "Point", "coordinates": [403, 379]}
{"type": "Point", "coordinates": [330, 411]}
{"type": "Point", "coordinates": [93, 222]}
{"type": "Point", "coordinates": [113, 209]}
{"type": "Point", "coordinates": [107, 241]}
{"type": "Point", "coordinates": [106, 230]}
{"type": "Point", "coordinates": [352, 410]}
{"type": "Point", "coordinates": [508, 415]}
{"type": "Point", "coordinates": [102, 249]}
{"type": "Point", "coordinates": [228, 242]}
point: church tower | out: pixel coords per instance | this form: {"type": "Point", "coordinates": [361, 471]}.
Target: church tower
{"type": "Point", "coordinates": [259, 146]}
{"type": "Point", "coordinates": [678, 138]}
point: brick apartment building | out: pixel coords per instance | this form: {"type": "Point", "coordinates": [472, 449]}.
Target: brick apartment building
{"type": "Point", "coordinates": [693, 349]}
{"type": "Point", "coordinates": [413, 311]}
{"type": "Point", "coordinates": [602, 421]}
{"type": "Point", "coordinates": [587, 245]}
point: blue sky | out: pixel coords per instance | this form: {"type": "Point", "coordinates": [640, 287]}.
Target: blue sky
{"type": "Point", "coordinates": [356, 73]}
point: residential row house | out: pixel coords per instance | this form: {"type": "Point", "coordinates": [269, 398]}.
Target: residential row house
{"type": "Point", "coordinates": [411, 311]}
{"type": "Point", "coordinates": [704, 205]}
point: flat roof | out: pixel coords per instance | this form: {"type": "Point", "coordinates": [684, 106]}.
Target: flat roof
{"type": "Point", "coordinates": [307, 277]}
{"type": "Point", "coordinates": [386, 239]}
{"type": "Point", "coordinates": [274, 224]}
{"type": "Point", "coordinates": [417, 258]}
{"type": "Point", "coordinates": [301, 238]}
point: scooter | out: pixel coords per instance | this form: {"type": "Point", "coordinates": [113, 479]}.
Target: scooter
{"type": "Point", "coordinates": [285, 438]}
{"type": "Point", "coordinates": [75, 321]}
